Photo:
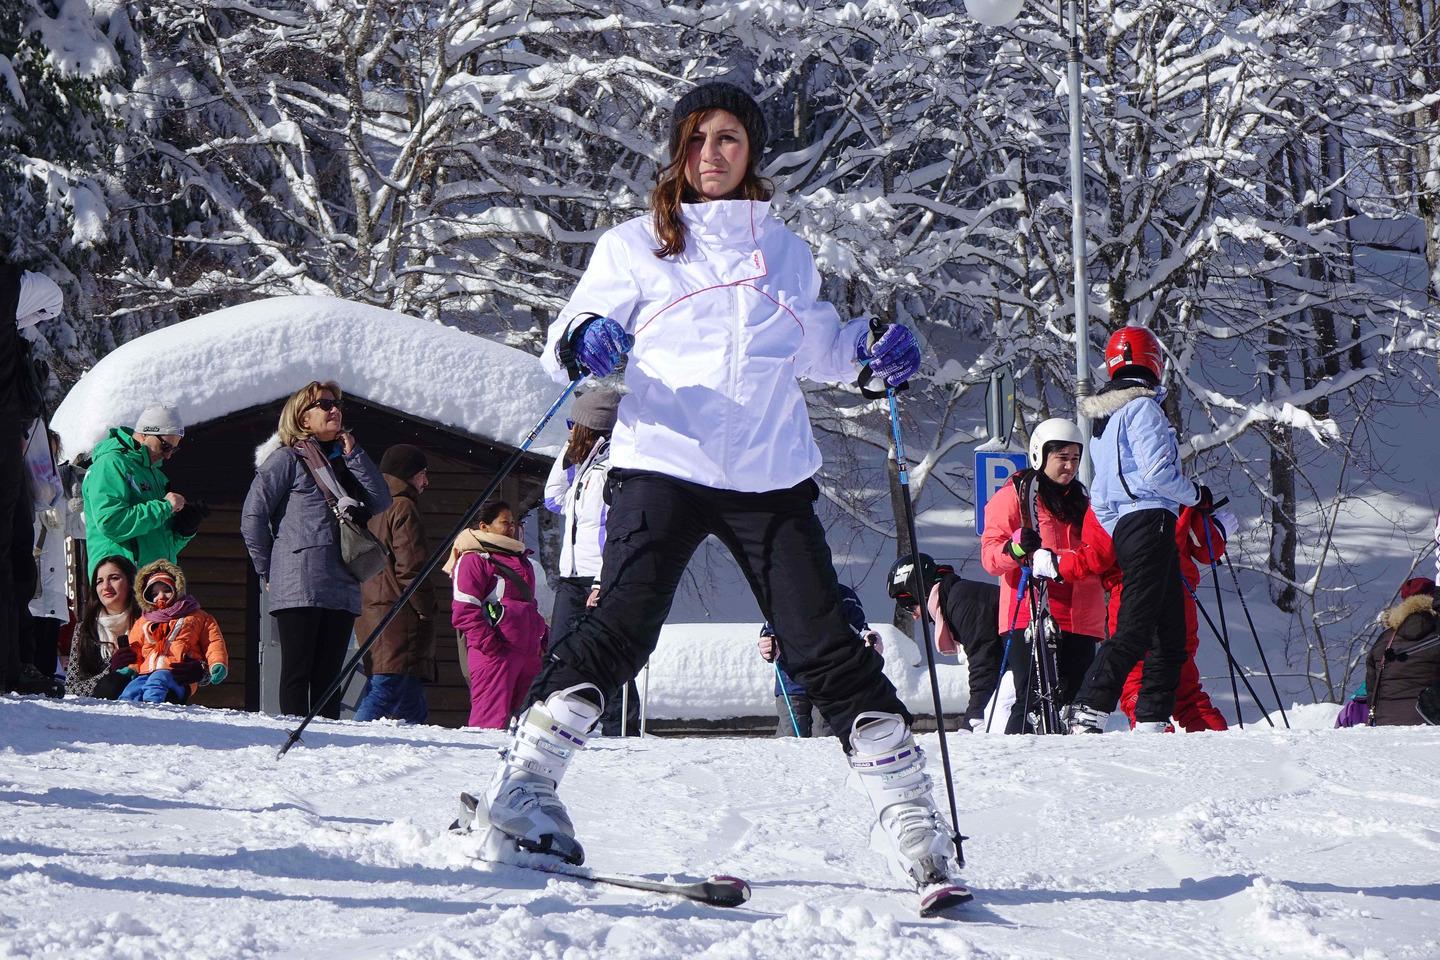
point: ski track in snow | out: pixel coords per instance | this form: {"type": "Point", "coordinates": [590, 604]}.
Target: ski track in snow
{"type": "Point", "coordinates": [136, 832]}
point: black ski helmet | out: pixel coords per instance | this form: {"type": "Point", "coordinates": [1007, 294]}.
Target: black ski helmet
{"type": "Point", "coordinates": [901, 584]}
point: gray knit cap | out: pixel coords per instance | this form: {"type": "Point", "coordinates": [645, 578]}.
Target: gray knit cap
{"type": "Point", "coordinates": [596, 408]}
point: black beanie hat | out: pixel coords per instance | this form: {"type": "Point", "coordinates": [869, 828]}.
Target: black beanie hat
{"type": "Point", "coordinates": [719, 95]}
{"type": "Point", "coordinates": [403, 461]}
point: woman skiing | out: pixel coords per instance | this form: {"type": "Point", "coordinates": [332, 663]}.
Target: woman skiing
{"type": "Point", "coordinates": [717, 304]}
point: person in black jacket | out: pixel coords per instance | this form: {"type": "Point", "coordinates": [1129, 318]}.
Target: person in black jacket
{"type": "Point", "coordinates": [25, 299]}
{"type": "Point", "coordinates": [964, 611]}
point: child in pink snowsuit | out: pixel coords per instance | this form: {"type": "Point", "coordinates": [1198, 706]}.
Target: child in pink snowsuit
{"type": "Point", "coordinates": [494, 608]}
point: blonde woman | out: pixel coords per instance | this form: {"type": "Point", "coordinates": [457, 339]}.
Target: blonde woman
{"type": "Point", "coordinates": [294, 540]}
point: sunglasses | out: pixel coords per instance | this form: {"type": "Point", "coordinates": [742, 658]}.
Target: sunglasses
{"type": "Point", "coordinates": [166, 446]}
{"type": "Point", "coordinates": [325, 404]}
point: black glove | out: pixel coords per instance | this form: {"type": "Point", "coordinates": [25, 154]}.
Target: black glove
{"type": "Point", "coordinates": [187, 671]}
{"type": "Point", "coordinates": [187, 522]}
{"type": "Point", "coordinates": [1028, 543]}
{"type": "Point", "coordinates": [124, 657]}
{"type": "Point", "coordinates": [1205, 499]}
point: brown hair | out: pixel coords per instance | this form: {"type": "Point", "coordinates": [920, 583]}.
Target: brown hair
{"type": "Point", "coordinates": [292, 427]}
{"type": "Point", "coordinates": [582, 441]}
{"type": "Point", "coordinates": [672, 189]}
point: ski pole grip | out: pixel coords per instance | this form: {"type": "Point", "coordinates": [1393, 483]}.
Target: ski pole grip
{"type": "Point", "coordinates": [877, 330]}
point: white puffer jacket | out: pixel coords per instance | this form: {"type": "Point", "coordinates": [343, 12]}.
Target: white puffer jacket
{"type": "Point", "coordinates": [723, 333]}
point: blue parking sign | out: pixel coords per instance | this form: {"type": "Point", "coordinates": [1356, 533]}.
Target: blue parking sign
{"type": "Point", "coordinates": [992, 469]}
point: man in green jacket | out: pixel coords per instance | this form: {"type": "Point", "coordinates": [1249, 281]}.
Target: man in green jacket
{"type": "Point", "coordinates": [129, 511]}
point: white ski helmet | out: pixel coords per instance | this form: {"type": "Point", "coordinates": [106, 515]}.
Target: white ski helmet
{"type": "Point", "coordinates": [1054, 430]}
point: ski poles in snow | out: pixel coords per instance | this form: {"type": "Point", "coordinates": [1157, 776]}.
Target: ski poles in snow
{"type": "Point", "coordinates": [1020, 592]}
{"type": "Point", "coordinates": [1220, 600]}
{"type": "Point", "coordinates": [1258, 645]}
{"type": "Point", "coordinates": [436, 557]}
{"type": "Point", "coordinates": [1235, 667]}
{"type": "Point", "coordinates": [877, 327]}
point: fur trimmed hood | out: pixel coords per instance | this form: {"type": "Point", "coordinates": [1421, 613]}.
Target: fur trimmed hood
{"type": "Point", "coordinates": [163, 566]}
{"type": "Point", "coordinates": [1097, 406]}
{"type": "Point", "coordinates": [1405, 609]}
{"type": "Point", "coordinates": [482, 541]}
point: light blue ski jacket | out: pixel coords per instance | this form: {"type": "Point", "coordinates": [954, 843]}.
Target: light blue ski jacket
{"type": "Point", "coordinates": [1135, 455]}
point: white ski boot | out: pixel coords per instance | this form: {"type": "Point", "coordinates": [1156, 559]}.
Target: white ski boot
{"type": "Point", "coordinates": [521, 809]}
{"type": "Point", "coordinates": [1082, 719]}
{"type": "Point", "coordinates": [908, 829]}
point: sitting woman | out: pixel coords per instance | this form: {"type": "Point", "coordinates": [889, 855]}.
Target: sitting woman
{"type": "Point", "coordinates": [1406, 658]}
{"type": "Point", "coordinates": [104, 627]}
{"type": "Point", "coordinates": [495, 611]}
{"type": "Point", "coordinates": [175, 646]}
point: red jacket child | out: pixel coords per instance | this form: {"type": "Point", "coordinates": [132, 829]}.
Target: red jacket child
{"type": "Point", "coordinates": [1193, 709]}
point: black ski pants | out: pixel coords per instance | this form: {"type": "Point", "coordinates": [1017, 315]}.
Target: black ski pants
{"type": "Point", "coordinates": [1074, 652]}
{"type": "Point", "coordinates": [571, 593]}
{"type": "Point", "coordinates": [655, 524]}
{"type": "Point", "coordinates": [313, 644]}
{"type": "Point", "coordinates": [1151, 621]}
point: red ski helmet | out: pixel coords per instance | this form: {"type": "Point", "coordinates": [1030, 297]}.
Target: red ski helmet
{"type": "Point", "coordinates": [1134, 347]}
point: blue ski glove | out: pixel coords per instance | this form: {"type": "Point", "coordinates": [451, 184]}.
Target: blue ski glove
{"type": "Point", "coordinates": [218, 673]}
{"type": "Point", "coordinates": [895, 357]}
{"type": "Point", "coordinates": [600, 343]}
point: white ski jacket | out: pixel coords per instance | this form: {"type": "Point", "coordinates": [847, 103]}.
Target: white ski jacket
{"type": "Point", "coordinates": [723, 333]}
{"type": "Point", "coordinates": [577, 492]}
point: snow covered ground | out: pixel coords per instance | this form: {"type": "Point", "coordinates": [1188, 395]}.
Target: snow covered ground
{"type": "Point", "coordinates": [162, 832]}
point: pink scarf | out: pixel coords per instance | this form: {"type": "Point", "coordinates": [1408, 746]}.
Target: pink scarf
{"type": "Point", "coordinates": [174, 610]}
{"type": "Point", "coordinates": [944, 641]}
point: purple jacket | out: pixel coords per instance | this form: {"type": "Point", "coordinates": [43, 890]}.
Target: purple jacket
{"type": "Point", "coordinates": [521, 628]}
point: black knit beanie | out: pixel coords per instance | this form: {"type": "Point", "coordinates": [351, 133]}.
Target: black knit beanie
{"type": "Point", "coordinates": [403, 461]}
{"type": "Point", "coordinates": [719, 95]}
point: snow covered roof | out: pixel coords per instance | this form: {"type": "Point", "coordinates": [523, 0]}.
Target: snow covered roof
{"type": "Point", "coordinates": [223, 362]}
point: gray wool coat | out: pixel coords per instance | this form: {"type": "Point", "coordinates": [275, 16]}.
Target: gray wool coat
{"type": "Point", "coordinates": [294, 539]}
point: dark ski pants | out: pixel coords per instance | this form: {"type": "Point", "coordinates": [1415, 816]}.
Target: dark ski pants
{"type": "Point", "coordinates": [570, 596]}
{"type": "Point", "coordinates": [313, 643]}
{"type": "Point", "coordinates": [1151, 621]}
{"type": "Point", "coordinates": [798, 711]}
{"type": "Point", "coordinates": [655, 525]}
{"type": "Point", "coordinates": [1074, 652]}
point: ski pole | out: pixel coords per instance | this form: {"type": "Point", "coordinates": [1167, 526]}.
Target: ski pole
{"type": "Point", "coordinates": [1258, 645]}
{"type": "Point", "coordinates": [780, 682]}
{"type": "Point", "coordinates": [645, 698]}
{"type": "Point", "coordinates": [1225, 645]}
{"type": "Point", "coordinates": [1215, 579]}
{"type": "Point", "coordinates": [436, 557]}
{"type": "Point", "coordinates": [1024, 585]}
{"type": "Point", "coordinates": [903, 469]}
{"type": "Point", "coordinates": [624, 708]}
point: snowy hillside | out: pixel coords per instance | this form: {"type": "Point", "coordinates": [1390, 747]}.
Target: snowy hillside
{"type": "Point", "coordinates": [167, 832]}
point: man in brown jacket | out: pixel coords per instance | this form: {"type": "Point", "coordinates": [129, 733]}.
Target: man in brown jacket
{"type": "Point", "coordinates": [403, 658]}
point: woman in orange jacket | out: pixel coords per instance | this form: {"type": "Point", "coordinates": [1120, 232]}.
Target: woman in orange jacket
{"type": "Point", "coordinates": [174, 646]}
{"type": "Point", "coordinates": [1044, 507]}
